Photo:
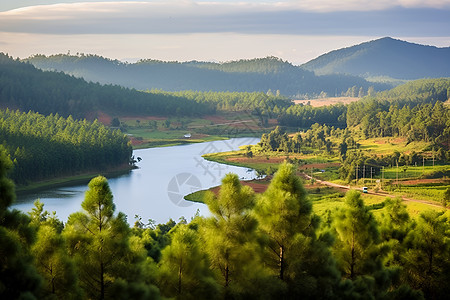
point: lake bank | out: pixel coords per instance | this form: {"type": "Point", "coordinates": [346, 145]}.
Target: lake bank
{"type": "Point", "coordinates": [110, 173]}
{"type": "Point", "coordinates": [70, 180]}
{"type": "Point", "coordinates": [156, 189]}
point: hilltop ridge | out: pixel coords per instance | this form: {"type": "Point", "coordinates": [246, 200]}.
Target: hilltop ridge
{"type": "Point", "coordinates": [385, 57]}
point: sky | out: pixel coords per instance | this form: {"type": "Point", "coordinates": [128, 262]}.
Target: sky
{"type": "Point", "coordinates": [215, 30]}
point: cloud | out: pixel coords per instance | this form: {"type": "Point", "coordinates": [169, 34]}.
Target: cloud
{"type": "Point", "coordinates": [306, 5]}
{"type": "Point", "coordinates": [180, 47]}
{"type": "Point", "coordinates": [351, 17]}
{"type": "Point", "coordinates": [366, 5]}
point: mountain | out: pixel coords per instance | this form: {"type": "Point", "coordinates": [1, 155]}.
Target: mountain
{"type": "Point", "coordinates": [24, 87]}
{"type": "Point", "coordinates": [385, 57]}
{"type": "Point", "coordinates": [254, 75]}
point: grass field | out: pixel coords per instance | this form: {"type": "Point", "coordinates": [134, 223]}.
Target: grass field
{"type": "Point", "coordinates": [388, 145]}
{"type": "Point", "coordinates": [327, 101]}
{"type": "Point", "coordinates": [416, 172]}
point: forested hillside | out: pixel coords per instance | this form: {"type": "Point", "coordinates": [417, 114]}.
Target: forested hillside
{"type": "Point", "coordinates": [414, 110]}
{"type": "Point", "coordinates": [263, 105]}
{"type": "Point", "coordinates": [385, 57]}
{"type": "Point", "coordinates": [48, 147]}
{"type": "Point", "coordinates": [418, 91]}
{"type": "Point", "coordinates": [379, 110]}
{"type": "Point", "coordinates": [256, 75]}
{"type": "Point", "coordinates": [24, 87]}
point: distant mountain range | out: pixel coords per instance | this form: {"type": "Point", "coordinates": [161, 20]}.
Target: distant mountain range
{"type": "Point", "coordinates": [255, 75]}
{"type": "Point", "coordinates": [385, 57]}
{"type": "Point", "coordinates": [333, 73]}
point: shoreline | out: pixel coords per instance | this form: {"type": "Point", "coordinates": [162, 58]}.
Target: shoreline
{"type": "Point", "coordinates": [159, 143]}
{"type": "Point", "coordinates": [84, 178]}
{"type": "Point", "coordinates": [70, 180]}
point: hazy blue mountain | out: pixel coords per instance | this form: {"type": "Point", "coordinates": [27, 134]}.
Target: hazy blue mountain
{"type": "Point", "coordinates": [385, 57]}
{"type": "Point", "coordinates": [254, 75]}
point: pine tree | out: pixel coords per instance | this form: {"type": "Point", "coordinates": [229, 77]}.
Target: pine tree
{"type": "Point", "coordinates": [427, 261]}
{"type": "Point", "coordinates": [50, 256]}
{"type": "Point", "coordinates": [230, 240]}
{"type": "Point", "coordinates": [100, 243]}
{"type": "Point", "coordinates": [283, 211]}
{"type": "Point", "coordinates": [357, 236]}
{"type": "Point", "coordinates": [395, 224]}
{"type": "Point", "coordinates": [18, 277]}
{"type": "Point", "coordinates": [184, 269]}
{"type": "Point", "coordinates": [360, 252]}
{"type": "Point", "coordinates": [294, 253]}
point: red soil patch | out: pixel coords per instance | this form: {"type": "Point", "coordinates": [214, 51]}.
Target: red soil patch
{"type": "Point", "coordinates": [104, 118]}
{"type": "Point", "coordinates": [244, 123]}
{"type": "Point", "coordinates": [145, 118]}
{"type": "Point", "coordinates": [422, 181]}
{"type": "Point", "coordinates": [258, 159]}
{"type": "Point", "coordinates": [398, 140]}
{"type": "Point", "coordinates": [216, 119]}
{"type": "Point", "coordinates": [257, 187]}
{"type": "Point", "coordinates": [280, 159]}
{"type": "Point", "coordinates": [319, 166]}
{"type": "Point", "coordinates": [380, 142]}
{"type": "Point", "coordinates": [135, 142]}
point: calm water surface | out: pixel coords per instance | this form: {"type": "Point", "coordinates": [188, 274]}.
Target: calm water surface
{"type": "Point", "coordinates": [156, 189]}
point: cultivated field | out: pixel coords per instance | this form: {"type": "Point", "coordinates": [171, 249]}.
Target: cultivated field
{"type": "Point", "coordinates": [327, 101]}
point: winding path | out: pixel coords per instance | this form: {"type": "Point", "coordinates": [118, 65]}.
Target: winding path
{"type": "Point", "coordinates": [379, 193]}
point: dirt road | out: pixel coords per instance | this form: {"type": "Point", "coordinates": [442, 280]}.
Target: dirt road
{"type": "Point", "coordinates": [379, 193]}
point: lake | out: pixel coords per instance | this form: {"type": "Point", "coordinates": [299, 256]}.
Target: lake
{"type": "Point", "coordinates": [155, 190]}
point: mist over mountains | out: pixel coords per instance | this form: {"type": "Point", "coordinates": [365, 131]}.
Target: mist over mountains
{"type": "Point", "coordinates": [255, 75]}
{"type": "Point", "coordinates": [332, 73]}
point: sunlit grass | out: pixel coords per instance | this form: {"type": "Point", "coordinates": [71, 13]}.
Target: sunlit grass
{"type": "Point", "coordinates": [388, 145]}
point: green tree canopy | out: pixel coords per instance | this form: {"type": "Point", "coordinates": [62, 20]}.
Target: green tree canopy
{"type": "Point", "coordinates": [100, 243]}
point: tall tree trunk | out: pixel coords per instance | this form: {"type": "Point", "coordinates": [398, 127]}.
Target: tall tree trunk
{"type": "Point", "coordinates": [227, 274]}
{"type": "Point", "coordinates": [352, 262]}
{"type": "Point", "coordinates": [282, 263]}
{"type": "Point", "coordinates": [430, 262]}
{"type": "Point", "coordinates": [102, 282]}
{"type": "Point", "coordinates": [179, 277]}
{"type": "Point", "coordinates": [53, 280]}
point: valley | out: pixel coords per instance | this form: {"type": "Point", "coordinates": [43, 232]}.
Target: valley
{"type": "Point", "coordinates": [244, 179]}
